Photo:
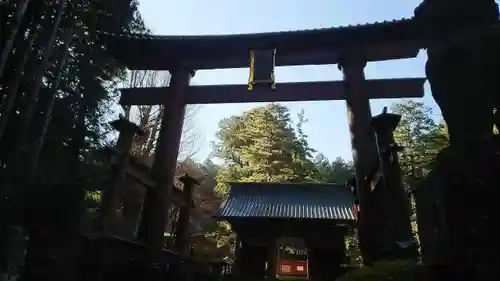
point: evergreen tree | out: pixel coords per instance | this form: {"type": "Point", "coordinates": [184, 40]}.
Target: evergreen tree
{"type": "Point", "coordinates": [338, 171]}
{"type": "Point", "coordinates": [262, 145]}
{"type": "Point", "coordinates": [421, 137]}
{"type": "Point", "coordinates": [83, 87]}
{"type": "Point", "coordinates": [55, 92]}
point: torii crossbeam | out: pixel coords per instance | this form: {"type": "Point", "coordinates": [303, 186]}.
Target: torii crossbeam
{"type": "Point", "coordinates": [284, 92]}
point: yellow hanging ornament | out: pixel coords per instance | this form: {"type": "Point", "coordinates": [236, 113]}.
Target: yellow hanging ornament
{"type": "Point", "coordinates": [262, 64]}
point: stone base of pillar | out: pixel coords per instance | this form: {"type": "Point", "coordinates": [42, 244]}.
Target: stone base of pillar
{"type": "Point", "coordinates": [458, 209]}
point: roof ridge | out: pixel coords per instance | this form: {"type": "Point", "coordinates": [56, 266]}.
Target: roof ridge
{"type": "Point", "coordinates": [280, 189]}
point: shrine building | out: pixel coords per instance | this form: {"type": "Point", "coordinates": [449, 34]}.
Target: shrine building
{"type": "Point", "coordinates": [312, 219]}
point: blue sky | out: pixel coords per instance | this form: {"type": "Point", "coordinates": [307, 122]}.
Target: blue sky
{"type": "Point", "coordinates": [327, 126]}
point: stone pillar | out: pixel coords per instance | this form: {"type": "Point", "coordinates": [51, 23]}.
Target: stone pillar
{"type": "Point", "coordinates": [398, 209]}
{"type": "Point", "coordinates": [462, 68]}
{"type": "Point", "coordinates": [181, 233]}
{"type": "Point", "coordinates": [111, 193]}
{"type": "Point", "coordinates": [363, 144]}
{"type": "Point", "coordinates": [158, 199]}
{"type": "Point", "coordinates": [462, 58]}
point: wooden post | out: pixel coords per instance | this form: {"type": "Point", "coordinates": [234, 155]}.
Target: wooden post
{"type": "Point", "coordinates": [181, 235]}
{"type": "Point", "coordinates": [111, 194]}
{"type": "Point", "coordinates": [363, 145]}
{"type": "Point", "coordinates": [158, 199]}
{"type": "Point", "coordinates": [272, 260]}
{"type": "Point", "coordinates": [397, 201]}
{"type": "Point", "coordinates": [241, 258]}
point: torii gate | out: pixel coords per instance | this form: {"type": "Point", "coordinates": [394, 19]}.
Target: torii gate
{"type": "Point", "coordinates": [351, 48]}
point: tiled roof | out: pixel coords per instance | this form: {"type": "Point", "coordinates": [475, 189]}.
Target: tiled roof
{"type": "Point", "coordinates": [285, 200]}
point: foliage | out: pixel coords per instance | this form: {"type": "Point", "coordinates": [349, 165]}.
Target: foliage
{"type": "Point", "coordinates": [381, 271]}
{"type": "Point", "coordinates": [86, 86]}
{"type": "Point", "coordinates": [352, 247]}
{"type": "Point", "coordinates": [218, 239]}
{"type": "Point", "coordinates": [421, 137]}
{"type": "Point", "coordinates": [92, 201]}
{"type": "Point", "coordinates": [216, 245]}
{"type": "Point", "coordinates": [261, 145]}
{"type": "Point", "coordinates": [338, 171]}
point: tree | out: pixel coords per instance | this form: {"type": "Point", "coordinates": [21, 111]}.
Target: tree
{"type": "Point", "coordinates": [338, 171]}
{"type": "Point", "coordinates": [55, 88]}
{"type": "Point", "coordinates": [262, 145]}
{"type": "Point", "coordinates": [149, 117]}
{"type": "Point", "coordinates": [15, 22]}
{"type": "Point", "coordinates": [81, 94]}
{"type": "Point", "coordinates": [421, 137]}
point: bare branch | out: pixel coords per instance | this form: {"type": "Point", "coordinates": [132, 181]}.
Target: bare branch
{"type": "Point", "coordinates": [148, 117]}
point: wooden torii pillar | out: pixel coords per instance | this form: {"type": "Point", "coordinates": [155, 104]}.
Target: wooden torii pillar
{"type": "Point", "coordinates": [157, 202]}
{"type": "Point", "coordinates": [364, 147]}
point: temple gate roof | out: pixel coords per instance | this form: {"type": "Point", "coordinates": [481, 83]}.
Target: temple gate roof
{"type": "Point", "coordinates": [288, 201]}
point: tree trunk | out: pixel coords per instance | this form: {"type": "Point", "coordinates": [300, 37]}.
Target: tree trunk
{"type": "Point", "coordinates": [21, 10]}
{"type": "Point", "coordinates": [154, 131]}
{"type": "Point", "coordinates": [12, 90]}
{"type": "Point", "coordinates": [35, 153]}
{"type": "Point", "coordinates": [33, 93]}
{"type": "Point", "coordinates": [126, 110]}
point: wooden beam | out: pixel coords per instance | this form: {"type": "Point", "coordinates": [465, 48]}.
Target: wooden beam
{"type": "Point", "coordinates": [141, 57]}
{"type": "Point", "coordinates": [284, 92]}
